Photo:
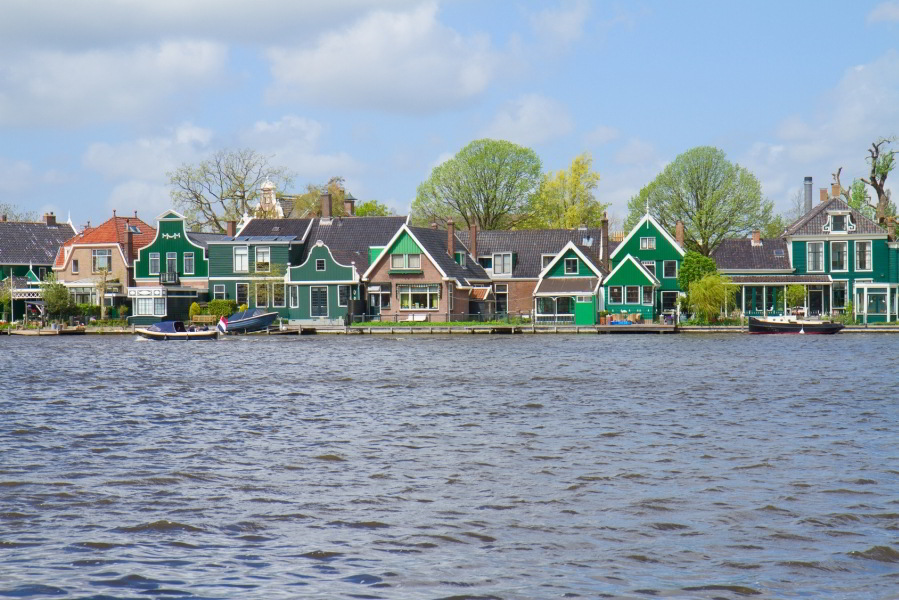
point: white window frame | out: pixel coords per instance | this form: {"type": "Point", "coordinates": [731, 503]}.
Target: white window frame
{"type": "Point", "coordinates": [153, 256]}
{"type": "Point", "coordinates": [870, 256]}
{"type": "Point", "coordinates": [294, 296]}
{"type": "Point", "coordinates": [620, 289]}
{"type": "Point", "coordinates": [265, 250]}
{"type": "Point", "coordinates": [74, 266]}
{"type": "Point", "coordinates": [575, 271]}
{"type": "Point", "coordinates": [846, 297]}
{"type": "Point", "coordinates": [321, 264]}
{"type": "Point", "coordinates": [665, 269]}
{"type": "Point", "coordinates": [268, 294]}
{"type": "Point", "coordinates": [845, 229]}
{"type": "Point", "coordinates": [413, 258]}
{"type": "Point", "coordinates": [652, 299]}
{"type": "Point", "coordinates": [845, 257]}
{"type": "Point", "coordinates": [646, 264]}
{"type": "Point", "coordinates": [218, 291]}
{"type": "Point", "coordinates": [502, 261]}
{"type": "Point", "coordinates": [283, 295]}
{"type": "Point", "coordinates": [94, 255]}
{"type": "Point", "coordinates": [639, 294]}
{"type": "Point", "coordinates": [647, 243]}
{"type": "Point", "coordinates": [394, 261]}
{"type": "Point", "coordinates": [189, 256]}
{"type": "Point", "coordinates": [662, 298]}
{"type": "Point", "coordinates": [171, 256]}
{"type": "Point", "coordinates": [461, 261]}
{"type": "Point", "coordinates": [327, 302]}
{"type": "Point", "coordinates": [237, 293]}
{"type": "Point", "coordinates": [808, 254]}
{"type": "Point", "coordinates": [246, 254]}
{"type": "Point", "coordinates": [545, 259]}
{"type": "Point", "coordinates": [157, 303]}
{"type": "Point", "coordinates": [404, 289]}
{"type": "Point", "coordinates": [349, 293]}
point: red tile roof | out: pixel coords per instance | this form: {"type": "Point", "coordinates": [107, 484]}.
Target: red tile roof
{"type": "Point", "coordinates": [110, 232]}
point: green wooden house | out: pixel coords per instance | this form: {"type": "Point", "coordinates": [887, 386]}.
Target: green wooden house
{"type": "Point", "coordinates": [645, 265]}
{"type": "Point", "coordinates": [569, 288]}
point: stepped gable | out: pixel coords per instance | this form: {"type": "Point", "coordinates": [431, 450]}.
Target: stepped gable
{"type": "Point", "coordinates": [530, 244]}
{"type": "Point", "coordinates": [112, 232]}
{"type": "Point", "coordinates": [349, 238]}
{"type": "Point", "coordinates": [812, 222]}
{"type": "Point", "coordinates": [740, 254]}
{"type": "Point", "coordinates": [434, 241]}
{"type": "Point", "coordinates": [23, 243]}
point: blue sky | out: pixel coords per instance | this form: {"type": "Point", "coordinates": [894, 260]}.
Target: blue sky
{"type": "Point", "coordinates": [99, 99]}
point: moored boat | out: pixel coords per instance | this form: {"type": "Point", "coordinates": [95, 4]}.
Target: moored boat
{"type": "Point", "coordinates": [790, 324]}
{"type": "Point", "coordinates": [253, 319]}
{"type": "Point", "coordinates": [175, 330]}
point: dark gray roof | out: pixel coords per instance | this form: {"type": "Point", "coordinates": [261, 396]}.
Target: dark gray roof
{"type": "Point", "coordinates": [434, 241]}
{"type": "Point", "coordinates": [283, 228]}
{"type": "Point", "coordinates": [779, 279]}
{"type": "Point", "coordinates": [31, 243]}
{"type": "Point", "coordinates": [812, 222]}
{"type": "Point", "coordinates": [530, 244]}
{"type": "Point", "coordinates": [202, 238]}
{"type": "Point", "coordinates": [349, 238]}
{"type": "Point", "coordinates": [740, 254]}
{"type": "Point", "coordinates": [567, 285]}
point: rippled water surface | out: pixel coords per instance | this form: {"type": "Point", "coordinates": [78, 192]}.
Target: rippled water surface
{"type": "Point", "coordinates": [450, 467]}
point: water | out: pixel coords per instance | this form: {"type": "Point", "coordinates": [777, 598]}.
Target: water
{"type": "Point", "coordinates": [450, 467]}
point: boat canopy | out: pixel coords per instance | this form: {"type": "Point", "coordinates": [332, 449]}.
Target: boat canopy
{"type": "Point", "coordinates": [167, 327]}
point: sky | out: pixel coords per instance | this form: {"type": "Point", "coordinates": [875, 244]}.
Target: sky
{"type": "Point", "coordinates": [100, 99]}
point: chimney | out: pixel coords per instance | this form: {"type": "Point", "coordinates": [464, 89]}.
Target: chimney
{"type": "Point", "coordinates": [349, 207]}
{"type": "Point", "coordinates": [756, 237]}
{"type": "Point", "coordinates": [823, 194]}
{"type": "Point", "coordinates": [231, 228]}
{"type": "Point", "coordinates": [604, 241]}
{"type": "Point", "coordinates": [49, 219]}
{"type": "Point", "coordinates": [129, 246]}
{"type": "Point", "coordinates": [679, 233]}
{"type": "Point", "coordinates": [326, 205]}
{"type": "Point", "coordinates": [135, 213]}
{"type": "Point", "coordinates": [451, 238]}
{"type": "Point", "coordinates": [808, 193]}
{"type": "Point", "coordinates": [433, 225]}
{"type": "Point", "coordinates": [473, 240]}
{"type": "Point", "coordinates": [835, 190]}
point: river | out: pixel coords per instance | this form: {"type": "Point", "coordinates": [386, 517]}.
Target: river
{"type": "Point", "coordinates": [408, 467]}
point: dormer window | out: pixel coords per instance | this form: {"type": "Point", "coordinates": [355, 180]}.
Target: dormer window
{"type": "Point", "coordinates": [837, 223]}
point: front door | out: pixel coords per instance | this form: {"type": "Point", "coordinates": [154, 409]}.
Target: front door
{"type": "Point", "coordinates": [815, 302]}
{"type": "Point", "coordinates": [318, 301]}
{"type": "Point", "coordinates": [584, 311]}
{"type": "Point", "coordinates": [374, 304]}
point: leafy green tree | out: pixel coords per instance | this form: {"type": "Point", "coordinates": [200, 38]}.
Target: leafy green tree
{"type": "Point", "coordinates": [57, 300]}
{"type": "Point", "coordinates": [795, 295]}
{"type": "Point", "coordinates": [372, 208]}
{"type": "Point", "coordinates": [775, 227]}
{"type": "Point", "coordinates": [709, 296]}
{"type": "Point", "coordinates": [223, 187]}
{"type": "Point", "coordinates": [715, 199]}
{"type": "Point", "coordinates": [489, 182]}
{"type": "Point", "coordinates": [566, 199]}
{"type": "Point", "coordinates": [694, 267]}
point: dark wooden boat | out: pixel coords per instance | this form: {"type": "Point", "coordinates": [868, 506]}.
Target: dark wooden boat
{"type": "Point", "coordinates": [175, 330]}
{"type": "Point", "coordinates": [254, 319]}
{"type": "Point", "coordinates": [792, 325]}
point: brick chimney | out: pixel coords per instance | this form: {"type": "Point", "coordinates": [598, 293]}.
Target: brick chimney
{"type": "Point", "coordinates": [231, 228]}
{"type": "Point", "coordinates": [473, 240]}
{"type": "Point", "coordinates": [129, 250]}
{"type": "Point", "coordinates": [835, 190]}
{"type": "Point", "coordinates": [49, 219]}
{"type": "Point", "coordinates": [679, 233]}
{"type": "Point", "coordinates": [823, 194]}
{"type": "Point", "coordinates": [604, 241]}
{"type": "Point", "coordinates": [326, 205]}
{"type": "Point", "coordinates": [756, 237]}
{"type": "Point", "coordinates": [349, 207]}
{"type": "Point", "coordinates": [451, 238]}
{"type": "Point", "coordinates": [433, 225]}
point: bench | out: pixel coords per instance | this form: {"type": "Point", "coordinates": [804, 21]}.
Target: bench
{"type": "Point", "coordinates": [205, 319]}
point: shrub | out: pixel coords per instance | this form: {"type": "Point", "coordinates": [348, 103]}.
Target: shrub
{"type": "Point", "coordinates": [194, 310]}
{"type": "Point", "coordinates": [88, 310]}
{"type": "Point", "coordinates": [710, 295]}
{"type": "Point", "coordinates": [221, 308]}
{"type": "Point", "coordinates": [795, 295]}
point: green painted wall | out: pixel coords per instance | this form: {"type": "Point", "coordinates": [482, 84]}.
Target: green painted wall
{"type": "Point", "coordinates": [880, 255]}
{"type": "Point", "coordinates": [558, 269]}
{"type": "Point", "coordinates": [585, 312]}
{"type": "Point", "coordinates": [663, 251]}
{"type": "Point", "coordinates": [405, 245]}
{"type": "Point", "coordinates": [332, 272]}
{"type": "Point", "coordinates": [171, 236]}
{"type": "Point", "coordinates": [221, 258]}
{"type": "Point", "coordinates": [334, 311]}
{"type": "Point", "coordinates": [18, 270]}
{"type": "Point", "coordinates": [628, 274]}
{"type": "Point", "coordinates": [373, 254]}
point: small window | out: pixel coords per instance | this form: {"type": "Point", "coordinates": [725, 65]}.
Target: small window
{"type": "Point", "coordinates": [502, 264]}
{"type": "Point", "coordinates": [501, 288]}
{"type": "Point", "coordinates": [42, 273]}
{"type": "Point", "coordinates": [571, 266]}
{"type": "Point", "coordinates": [632, 294]}
{"type": "Point", "coordinates": [647, 243]}
{"type": "Point", "coordinates": [171, 262]}
{"type": "Point", "coordinates": [414, 261]}
{"type": "Point", "coordinates": [188, 263]}
{"type": "Point", "coordinates": [838, 223]}
{"type": "Point", "coordinates": [101, 260]}
{"type": "Point", "coordinates": [74, 266]}
{"type": "Point", "coordinates": [487, 262]}
{"type": "Point", "coordinates": [319, 264]}
{"type": "Point", "coordinates": [647, 295]}
{"type": "Point", "coordinates": [670, 269]}
{"type": "Point", "coordinates": [397, 261]}
{"type": "Point", "coordinates": [343, 295]}
{"type": "Point", "coordinates": [583, 299]}
{"type": "Point", "coordinates": [263, 259]}
{"type": "Point", "coordinates": [241, 259]}
{"type": "Point", "coordinates": [294, 296]}
{"type": "Point", "coordinates": [779, 253]}
{"type": "Point", "coordinates": [615, 294]}
{"type": "Point", "coordinates": [218, 292]}
{"type": "Point", "coordinates": [862, 256]}
{"type": "Point", "coordinates": [547, 258]}
{"type": "Point", "coordinates": [650, 265]}
{"type": "Point", "coordinates": [460, 259]}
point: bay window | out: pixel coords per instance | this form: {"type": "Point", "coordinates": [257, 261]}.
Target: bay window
{"type": "Point", "coordinates": [419, 296]}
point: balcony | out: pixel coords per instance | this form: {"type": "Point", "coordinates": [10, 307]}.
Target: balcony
{"type": "Point", "coordinates": [168, 278]}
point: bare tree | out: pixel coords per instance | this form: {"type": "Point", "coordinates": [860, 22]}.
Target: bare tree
{"type": "Point", "coordinates": [14, 213]}
{"type": "Point", "coordinates": [882, 162]}
{"type": "Point", "coordinates": [224, 187]}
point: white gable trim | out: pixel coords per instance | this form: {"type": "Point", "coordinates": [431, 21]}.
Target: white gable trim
{"type": "Point", "coordinates": [630, 258]}
{"type": "Point", "coordinates": [321, 244]}
{"type": "Point", "coordinates": [183, 230]}
{"type": "Point", "coordinates": [570, 246]}
{"type": "Point", "coordinates": [651, 219]}
{"type": "Point", "coordinates": [396, 236]}
{"type": "Point", "coordinates": [178, 216]}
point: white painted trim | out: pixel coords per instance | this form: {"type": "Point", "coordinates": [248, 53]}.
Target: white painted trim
{"type": "Point", "coordinates": [256, 250]}
{"type": "Point", "coordinates": [234, 255]}
{"type": "Point", "coordinates": [73, 247]}
{"type": "Point", "coordinates": [156, 237]}
{"type": "Point", "coordinates": [224, 291]}
{"type": "Point", "coordinates": [676, 269]}
{"type": "Point", "coordinates": [851, 236]}
{"type": "Point", "coordinates": [321, 244]}
{"type": "Point", "coordinates": [870, 256]}
{"type": "Point", "coordinates": [327, 314]}
{"type": "Point", "coordinates": [193, 258]}
{"type": "Point", "coordinates": [651, 219]}
{"type": "Point", "coordinates": [631, 258]}
{"type": "Point", "coordinates": [570, 246]}
{"type": "Point", "coordinates": [178, 217]}
{"type": "Point", "coordinates": [396, 236]}
{"type": "Point", "coordinates": [808, 246]}
{"type": "Point", "coordinates": [845, 257]}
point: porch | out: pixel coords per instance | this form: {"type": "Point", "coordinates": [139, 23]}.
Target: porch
{"type": "Point", "coordinates": [766, 295]}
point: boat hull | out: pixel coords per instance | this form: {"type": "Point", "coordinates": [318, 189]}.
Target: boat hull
{"type": "Point", "coordinates": [251, 324]}
{"type": "Point", "coordinates": [822, 328]}
{"type": "Point", "coordinates": [186, 335]}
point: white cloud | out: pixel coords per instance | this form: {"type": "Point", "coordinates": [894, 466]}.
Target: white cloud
{"type": "Point", "coordinates": [603, 134]}
{"type": "Point", "coordinates": [636, 152]}
{"type": "Point", "coordinates": [563, 25]}
{"type": "Point", "coordinates": [147, 198]}
{"type": "Point", "coordinates": [15, 175]}
{"type": "Point", "coordinates": [392, 61]}
{"type": "Point", "coordinates": [884, 12]}
{"type": "Point", "coordinates": [530, 120]}
{"type": "Point", "coordinates": [73, 88]}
